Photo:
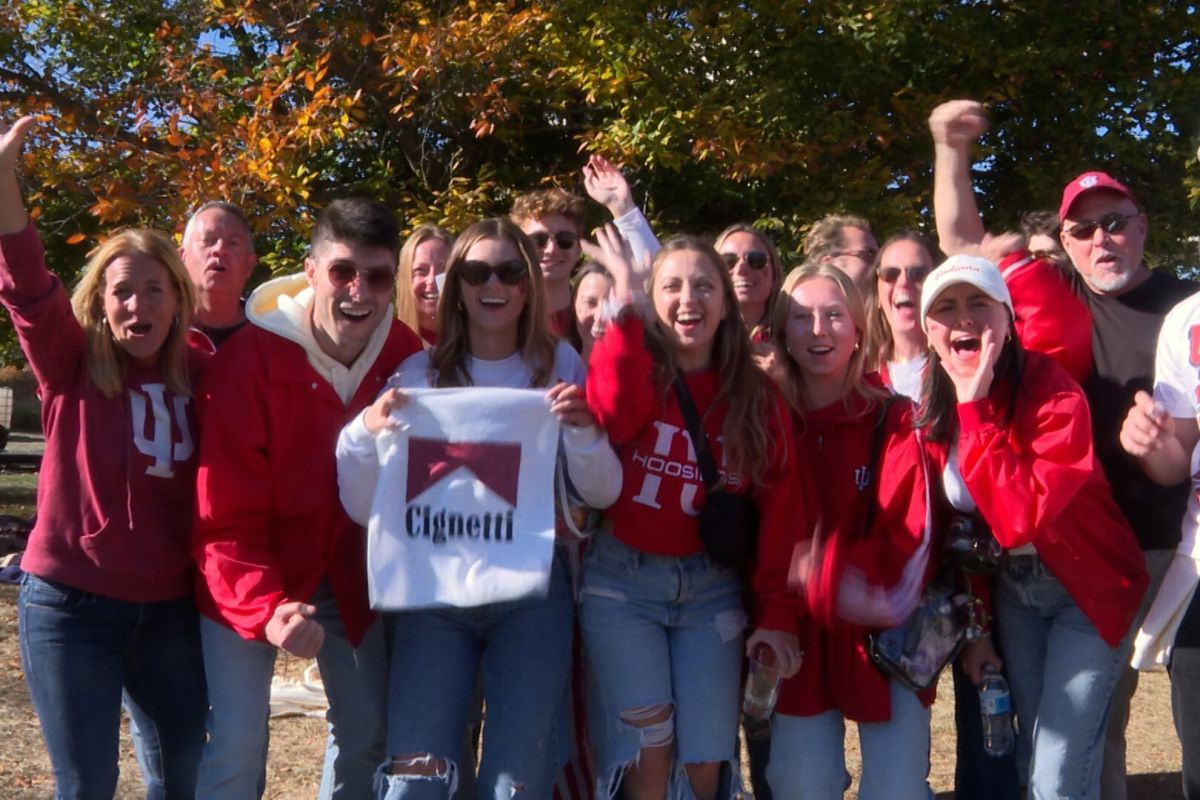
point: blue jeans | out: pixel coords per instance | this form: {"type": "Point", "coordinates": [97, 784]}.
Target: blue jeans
{"type": "Point", "coordinates": [662, 631]}
{"type": "Point", "coordinates": [1062, 675]}
{"type": "Point", "coordinates": [523, 649]}
{"type": "Point", "coordinates": [808, 755]}
{"type": "Point", "coordinates": [146, 748]}
{"type": "Point", "coordinates": [79, 651]}
{"type": "Point", "coordinates": [239, 678]}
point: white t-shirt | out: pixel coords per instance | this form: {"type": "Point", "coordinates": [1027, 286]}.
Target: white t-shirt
{"type": "Point", "coordinates": [1177, 387]}
{"type": "Point", "coordinates": [905, 376]}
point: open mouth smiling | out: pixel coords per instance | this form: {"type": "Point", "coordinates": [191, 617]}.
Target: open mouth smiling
{"type": "Point", "coordinates": [966, 344]}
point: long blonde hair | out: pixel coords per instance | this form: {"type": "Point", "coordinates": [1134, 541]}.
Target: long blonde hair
{"type": "Point", "coordinates": [776, 264]}
{"type": "Point", "coordinates": [748, 448]}
{"type": "Point", "coordinates": [406, 304]}
{"type": "Point", "coordinates": [107, 360]}
{"type": "Point", "coordinates": [534, 340]}
{"type": "Point", "coordinates": [791, 379]}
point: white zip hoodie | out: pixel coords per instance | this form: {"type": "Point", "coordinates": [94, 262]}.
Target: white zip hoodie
{"type": "Point", "coordinates": [284, 306]}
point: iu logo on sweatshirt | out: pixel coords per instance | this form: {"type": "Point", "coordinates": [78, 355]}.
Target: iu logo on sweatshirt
{"type": "Point", "coordinates": [160, 427]}
{"type": "Point", "coordinates": [673, 459]}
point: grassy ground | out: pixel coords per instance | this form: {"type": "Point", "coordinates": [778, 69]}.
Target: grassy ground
{"type": "Point", "coordinates": [297, 744]}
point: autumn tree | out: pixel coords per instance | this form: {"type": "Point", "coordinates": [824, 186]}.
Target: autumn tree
{"type": "Point", "coordinates": [774, 112]}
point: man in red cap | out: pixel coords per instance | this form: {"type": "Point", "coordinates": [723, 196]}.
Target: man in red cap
{"type": "Point", "coordinates": [1104, 233]}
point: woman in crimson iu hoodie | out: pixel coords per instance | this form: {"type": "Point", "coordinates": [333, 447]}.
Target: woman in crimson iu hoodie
{"type": "Point", "coordinates": [662, 620]}
{"type": "Point", "coordinates": [858, 569]}
{"type": "Point", "coordinates": [1012, 433]}
{"type": "Point", "coordinates": [106, 602]}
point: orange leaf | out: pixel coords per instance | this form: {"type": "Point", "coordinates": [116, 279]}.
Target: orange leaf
{"type": "Point", "coordinates": [75, 238]}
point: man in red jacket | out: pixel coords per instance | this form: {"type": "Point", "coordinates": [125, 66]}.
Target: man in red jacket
{"type": "Point", "coordinates": [281, 565]}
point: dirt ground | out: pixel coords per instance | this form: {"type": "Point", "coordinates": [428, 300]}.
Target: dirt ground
{"type": "Point", "coordinates": [297, 744]}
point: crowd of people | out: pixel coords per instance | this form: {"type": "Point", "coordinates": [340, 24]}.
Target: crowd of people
{"type": "Point", "coordinates": [757, 459]}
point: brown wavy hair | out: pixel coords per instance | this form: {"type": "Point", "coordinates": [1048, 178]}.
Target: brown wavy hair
{"type": "Point", "coordinates": [855, 383]}
{"type": "Point", "coordinates": [749, 449]}
{"type": "Point", "coordinates": [106, 360]}
{"type": "Point", "coordinates": [448, 360]}
{"type": "Point", "coordinates": [545, 202]}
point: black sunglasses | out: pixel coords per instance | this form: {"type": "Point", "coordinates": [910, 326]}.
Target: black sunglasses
{"type": "Point", "coordinates": [892, 274]}
{"type": "Point", "coordinates": [1109, 223]}
{"type": "Point", "coordinates": [378, 280]}
{"type": "Point", "coordinates": [564, 239]}
{"type": "Point", "coordinates": [477, 273]}
{"type": "Point", "coordinates": [755, 258]}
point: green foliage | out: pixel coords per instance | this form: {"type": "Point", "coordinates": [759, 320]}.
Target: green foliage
{"type": "Point", "coordinates": [776, 112]}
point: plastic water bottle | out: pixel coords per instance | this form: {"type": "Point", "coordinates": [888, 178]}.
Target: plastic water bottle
{"type": "Point", "coordinates": [762, 683]}
{"type": "Point", "coordinates": [995, 706]}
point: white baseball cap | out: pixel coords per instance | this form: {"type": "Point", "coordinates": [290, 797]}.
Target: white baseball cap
{"type": "Point", "coordinates": [978, 272]}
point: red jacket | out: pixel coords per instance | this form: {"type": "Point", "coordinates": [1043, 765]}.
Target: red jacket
{"type": "Point", "coordinates": [662, 489]}
{"type": "Point", "coordinates": [834, 447]}
{"type": "Point", "coordinates": [1035, 479]}
{"type": "Point", "coordinates": [1051, 317]}
{"type": "Point", "coordinates": [270, 525]}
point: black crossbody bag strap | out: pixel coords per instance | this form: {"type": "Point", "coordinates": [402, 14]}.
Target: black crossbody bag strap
{"type": "Point", "coordinates": [691, 418]}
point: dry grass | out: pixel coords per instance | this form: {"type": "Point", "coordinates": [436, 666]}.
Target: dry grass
{"type": "Point", "coordinates": [293, 770]}
{"type": "Point", "coordinates": [297, 744]}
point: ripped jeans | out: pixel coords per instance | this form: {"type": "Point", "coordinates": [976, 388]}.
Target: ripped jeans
{"type": "Point", "coordinates": [661, 631]}
{"type": "Point", "coordinates": [523, 649]}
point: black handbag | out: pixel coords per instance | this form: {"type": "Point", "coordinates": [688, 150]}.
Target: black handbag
{"type": "Point", "coordinates": [728, 521]}
{"type": "Point", "coordinates": [969, 545]}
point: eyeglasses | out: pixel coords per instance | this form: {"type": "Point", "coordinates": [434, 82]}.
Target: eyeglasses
{"type": "Point", "coordinates": [861, 255]}
{"type": "Point", "coordinates": [477, 273]}
{"type": "Point", "coordinates": [892, 274]}
{"type": "Point", "coordinates": [564, 239]}
{"type": "Point", "coordinates": [1051, 255]}
{"type": "Point", "coordinates": [378, 280]}
{"type": "Point", "coordinates": [1109, 223]}
{"type": "Point", "coordinates": [755, 258]}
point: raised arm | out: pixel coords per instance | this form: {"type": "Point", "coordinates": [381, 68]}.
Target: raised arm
{"type": "Point", "coordinates": [606, 184]}
{"type": "Point", "coordinates": [629, 274]}
{"type": "Point", "coordinates": [36, 300]}
{"type": "Point", "coordinates": [956, 126]}
{"type": "Point", "coordinates": [13, 218]}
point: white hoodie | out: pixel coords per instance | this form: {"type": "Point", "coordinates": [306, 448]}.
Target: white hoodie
{"type": "Point", "coordinates": [284, 306]}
